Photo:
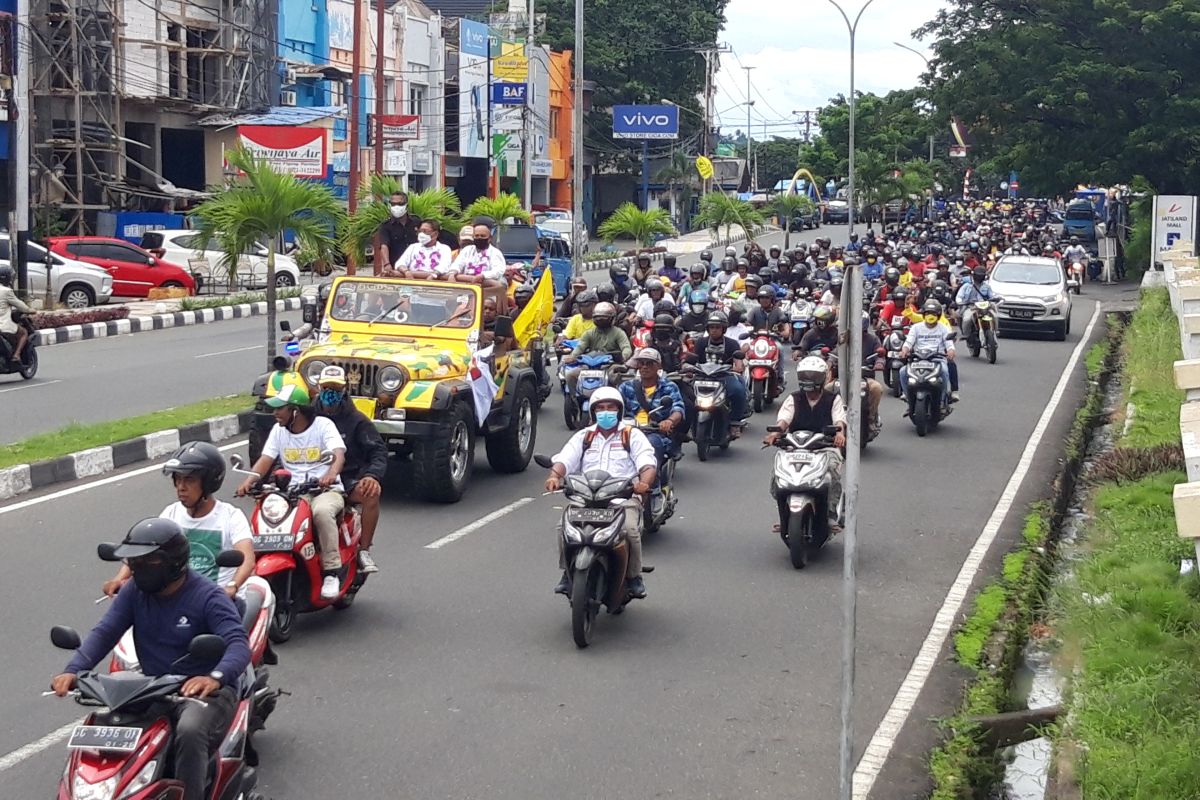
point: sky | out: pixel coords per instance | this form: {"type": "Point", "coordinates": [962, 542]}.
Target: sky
{"type": "Point", "coordinates": [801, 57]}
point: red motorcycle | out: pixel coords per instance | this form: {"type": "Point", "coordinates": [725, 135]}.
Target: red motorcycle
{"type": "Point", "coordinates": [643, 334]}
{"type": "Point", "coordinates": [286, 550]}
{"type": "Point", "coordinates": [762, 357]}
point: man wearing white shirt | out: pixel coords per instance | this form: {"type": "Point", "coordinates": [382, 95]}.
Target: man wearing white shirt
{"type": "Point", "coordinates": [479, 262]}
{"type": "Point", "coordinates": [427, 257]}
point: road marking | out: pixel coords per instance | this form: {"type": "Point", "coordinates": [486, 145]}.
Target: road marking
{"type": "Point", "coordinates": [467, 530]}
{"type": "Point", "coordinates": [33, 748]}
{"type": "Point", "coordinates": [880, 746]}
{"type": "Point", "coordinates": [83, 487]}
{"type": "Point", "coordinates": [234, 350]}
{"type": "Point", "coordinates": [31, 386]}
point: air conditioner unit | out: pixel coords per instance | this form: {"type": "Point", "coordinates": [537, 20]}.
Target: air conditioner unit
{"type": "Point", "coordinates": [290, 77]}
{"type": "Point", "coordinates": [287, 98]}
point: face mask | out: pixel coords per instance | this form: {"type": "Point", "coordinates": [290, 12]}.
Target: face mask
{"type": "Point", "coordinates": [604, 323]}
{"type": "Point", "coordinates": [424, 239]}
{"type": "Point", "coordinates": [152, 578]}
{"type": "Point", "coordinates": [481, 244]}
{"type": "Point", "coordinates": [399, 211]}
{"type": "Point", "coordinates": [607, 420]}
{"type": "Point", "coordinates": [330, 397]}
{"type": "Point", "coordinates": [931, 318]}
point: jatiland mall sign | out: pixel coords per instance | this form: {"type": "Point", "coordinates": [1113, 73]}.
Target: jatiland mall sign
{"type": "Point", "coordinates": [291, 150]}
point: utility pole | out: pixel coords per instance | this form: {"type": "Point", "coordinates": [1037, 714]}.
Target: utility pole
{"type": "Point", "coordinates": [527, 148]}
{"type": "Point", "coordinates": [749, 138]}
{"type": "Point", "coordinates": [380, 17]}
{"type": "Point", "coordinates": [708, 85]}
{"type": "Point", "coordinates": [21, 152]}
{"type": "Point", "coordinates": [577, 147]}
{"type": "Point", "coordinates": [355, 69]}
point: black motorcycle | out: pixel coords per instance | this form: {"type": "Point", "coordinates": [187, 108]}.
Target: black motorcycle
{"type": "Point", "coordinates": [27, 366]}
{"type": "Point", "coordinates": [926, 407]}
{"type": "Point", "coordinates": [714, 413]}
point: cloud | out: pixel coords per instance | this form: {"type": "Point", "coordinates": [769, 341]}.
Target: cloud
{"type": "Point", "coordinates": [801, 60]}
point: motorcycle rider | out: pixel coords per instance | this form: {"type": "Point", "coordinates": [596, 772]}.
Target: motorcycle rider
{"type": "Point", "coordinates": [975, 290]}
{"type": "Point", "coordinates": [366, 456]}
{"type": "Point", "coordinates": [568, 307]}
{"type": "Point", "coordinates": [197, 469]}
{"type": "Point", "coordinates": [767, 315]}
{"type": "Point", "coordinates": [726, 351]}
{"type": "Point", "coordinates": [671, 272]}
{"type": "Point", "coordinates": [1075, 252]}
{"type": "Point", "coordinates": [642, 270]}
{"type": "Point", "coordinates": [168, 605]}
{"type": "Point", "coordinates": [643, 396]}
{"type": "Point", "coordinates": [822, 334]}
{"type": "Point", "coordinates": [696, 280]}
{"type": "Point", "coordinates": [696, 317]}
{"type": "Point", "coordinates": [604, 338]}
{"type": "Point", "coordinates": [833, 295]}
{"type": "Point", "coordinates": [655, 293]}
{"type": "Point", "coordinates": [14, 333]}
{"type": "Point", "coordinates": [582, 322]}
{"type": "Point", "coordinates": [872, 268]}
{"type": "Point", "coordinates": [622, 451]}
{"type": "Point", "coordinates": [618, 275]}
{"type": "Point", "coordinates": [934, 335]}
{"type": "Point", "coordinates": [298, 439]}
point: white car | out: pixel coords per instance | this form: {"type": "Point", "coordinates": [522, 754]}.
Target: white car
{"type": "Point", "coordinates": [75, 284]}
{"type": "Point", "coordinates": [179, 247]}
{"type": "Point", "coordinates": [1033, 296]}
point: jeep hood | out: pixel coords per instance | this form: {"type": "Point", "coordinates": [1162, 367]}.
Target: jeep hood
{"type": "Point", "coordinates": [427, 360]}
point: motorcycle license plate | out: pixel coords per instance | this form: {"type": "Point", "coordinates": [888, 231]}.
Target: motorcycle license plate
{"type": "Point", "coordinates": [798, 459]}
{"type": "Point", "coordinates": [708, 384]}
{"type": "Point", "coordinates": [893, 353]}
{"type": "Point", "coordinates": [1021, 314]}
{"type": "Point", "coordinates": [591, 515]}
{"type": "Point", "coordinates": [273, 542]}
{"type": "Point", "coordinates": [594, 374]}
{"type": "Point", "coordinates": [924, 364]}
{"type": "Point", "coordinates": [104, 737]}
{"type": "Point", "coordinates": [761, 362]}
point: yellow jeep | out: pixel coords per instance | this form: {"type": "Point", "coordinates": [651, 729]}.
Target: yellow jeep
{"type": "Point", "coordinates": [406, 347]}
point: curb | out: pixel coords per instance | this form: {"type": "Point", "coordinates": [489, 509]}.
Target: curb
{"type": "Point", "coordinates": [156, 322]}
{"type": "Point", "coordinates": [22, 478]}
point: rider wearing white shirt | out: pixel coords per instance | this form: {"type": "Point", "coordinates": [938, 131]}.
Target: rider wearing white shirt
{"type": "Point", "coordinates": [479, 262]}
{"type": "Point", "coordinates": [427, 257]}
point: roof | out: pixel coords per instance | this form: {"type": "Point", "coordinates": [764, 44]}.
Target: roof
{"type": "Point", "coordinates": [275, 115]}
{"type": "Point", "coordinates": [466, 8]}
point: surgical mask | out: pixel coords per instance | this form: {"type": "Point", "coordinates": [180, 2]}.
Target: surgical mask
{"type": "Point", "coordinates": [152, 578]}
{"type": "Point", "coordinates": [330, 397]}
{"type": "Point", "coordinates": [931, 318]}
{"type": "Point", "coordinates": [481, 244]}
{"type": "Point", "coordinates": [399, 211]}
{"type": "Point", "coordinates": [607, 420]}
{"type": "Point", "coordinates": [424, 239]}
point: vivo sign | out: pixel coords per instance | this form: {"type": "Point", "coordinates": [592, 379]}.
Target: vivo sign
{"type": "Point", "coordinates": [645, 122]}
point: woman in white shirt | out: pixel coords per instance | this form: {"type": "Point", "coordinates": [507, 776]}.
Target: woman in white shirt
{"type": "Point", "coordinates": [427, 257]}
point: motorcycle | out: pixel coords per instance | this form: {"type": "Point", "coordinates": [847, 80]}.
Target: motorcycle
{"type": "Point", "coordinates": [285, 546]}
{"type": "Point", "coordinates": [713, 411]}
{"type": "Point", "coordinates": [801, 483]}
{"type": "Point", "coordinates": [593, 373]}
{"type": "Point", "coordinates": [27, 366]}
{"type": "Point", "coordinates": [660, 503]}
{"type": "Point", "coordinates": [925, 405]}
{"type": "Point", "coordinates": [892, 344]}
{"type": "Point", "coordinates": [593, 541]}
{"type": "Point", "coordinates": [983, 331]}
{"type": "Point", "coordinates": [124, 748]}
{"type": "Point", "coordinates": [1075, 277]}
{"type": "Point", "coordinates": [801, 313]}
{"type": "Point", "coordinates": [762, 357]}
{"type": "Point", "coordinates": [870, 428]}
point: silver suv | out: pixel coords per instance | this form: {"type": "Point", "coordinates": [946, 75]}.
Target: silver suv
{"type": "Point", "coordinates": [74, 283]}
{"type": "Point", "coordinates": [1034, 296]}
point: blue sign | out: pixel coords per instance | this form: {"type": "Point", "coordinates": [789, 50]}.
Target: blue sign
{"type": "Point", "coordinates": [473, 37]}
{"type": "Point", "coordinates": [646, 122]}
{"type": "Point", "coordinates": [509, 94]}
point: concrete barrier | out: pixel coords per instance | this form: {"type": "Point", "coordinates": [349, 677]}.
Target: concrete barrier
{"type": "Point", "coordinates": [1181, 275]}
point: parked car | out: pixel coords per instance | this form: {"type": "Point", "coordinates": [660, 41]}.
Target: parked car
{"type": "Point", "coordinates": [837, 212]}
{"type": "Point", "coordinates": [180, 247]}
{"type": "Point", "coordinates": [75, 284]}
{"type": "Point", "coordinates": [1034, 296]}
{"type": "Point", "coordinates": [134, 271]}
{"type": "Point", "coordinates": [806, 220]}
{"type": "Point", "coordinates": [520, 243]}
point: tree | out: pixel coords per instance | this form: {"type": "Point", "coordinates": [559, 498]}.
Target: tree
{"type": "Point", "coordinates": [787, 206]}
{"type": "Point", "coordinates": [719, 210]}
{"type": "Point", "coordinates": [256, 209]}
{"type": "Point", "coordinates": [642, 226]}
{"type": "Point", "coordinates": [677, 175]}
{"type": "Point", "coordinates": [501, 207]}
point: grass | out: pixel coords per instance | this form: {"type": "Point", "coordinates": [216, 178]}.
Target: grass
{"type": "Point", "coordinates": [196, 303]}
{"type": "Point", "coordinates": [1151, 347]}
{"type": "Point", "coordinates": [75, 436]}
{"type": "Point", "coordinates": [1094, 360]}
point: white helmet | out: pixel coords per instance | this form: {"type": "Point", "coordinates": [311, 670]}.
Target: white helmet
{"type": "Point", "coordinates": [811, 374]}
{"type": "Point", "coordinates": [610, 394]}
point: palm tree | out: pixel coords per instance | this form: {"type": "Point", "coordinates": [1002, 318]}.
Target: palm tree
{"type": "Point", "coordinates": [361, 227]}
{"type": "Point", "coordinates": [501, 207]}
{"type": "Point", "coordinates": [718, 210]}
{"type": "Point", "coordinates": [675, 175]}
{"type": "Point", "coordinates": [642, 226]}
{"type": "Point", "coordinates": [787, 206]}
{"type": "Point", "coordinates": [256, 209]}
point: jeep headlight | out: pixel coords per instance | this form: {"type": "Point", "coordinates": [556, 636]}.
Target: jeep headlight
{"type": "Point", "coordinates": [390, 379]}
{"type": "Point", "coordinates": [312, 371]}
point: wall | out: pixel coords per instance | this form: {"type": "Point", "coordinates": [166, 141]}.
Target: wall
{"type": "Point", "coordinates": [562, 105]}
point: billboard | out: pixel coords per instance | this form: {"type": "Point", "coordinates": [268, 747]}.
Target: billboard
{"type": "Point", "coordinates": [396, 127]}
{"type": "Point", "coordinates": [472, 89]}
{"type": "Point", "coordinates": [508, 94]}
{"type": "Point", "coordinates": [646, 122]}
{"type": "Point", "coordinates": [289, 149]}
{"type": "Point", "coordinates": [1174, 222]}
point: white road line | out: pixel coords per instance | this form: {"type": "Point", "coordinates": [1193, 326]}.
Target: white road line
{"type": "Point", "coordinates": [83, 487]}
{"type": "Point", "coordinates": [234, 350]}
{"type": "Point", "coordinates": [467, 530]}
{"type": "Point", "coordinates": [31, 386]}
{"type": "Point", "coordinates": [33, 748]}
{"type": "Point", "coordinates": [880, 746]}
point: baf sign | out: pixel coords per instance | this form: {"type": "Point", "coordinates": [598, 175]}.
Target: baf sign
{"type": "Point", "coordinates": [508, 94]}
{"type": "Point", "coordinates": [291, 150]}
{"type": "Point", "coordinates": [1174, 221]}
{"type": "Point", "coordinates": [645, 122]}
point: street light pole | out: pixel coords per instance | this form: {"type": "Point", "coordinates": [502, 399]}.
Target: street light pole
{"type": "Point", "coordinates": [577, 148]}
{"type": "Point", "coordinates": [850, 364]}
{"type": "Point", "coordinates": [921, 56]}
{"type": "Point", "coordinates": [749, 138]}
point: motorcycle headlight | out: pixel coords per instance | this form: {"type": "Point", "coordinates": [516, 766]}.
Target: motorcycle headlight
{"type": "Point", "coordinates": [572, 534]}
{"type": "Point", "coordinates": [608, 533]}
{"type": "Point", "coordinates": [312, 371]}
{"type": "Point", "coordinates": [141, 780]}
{"type": "Point", "coordinates": [274, 508]}
{"type": "Point", "coordinates": [82, 790]}
{"type": "Point", "coordinates": [390, 379]}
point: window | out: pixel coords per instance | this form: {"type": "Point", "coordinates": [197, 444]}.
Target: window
{"type": "Point", "coordinates": [555, 122]}
{"type": "Point", "coordinates": [416, 99]}
{"type": "Point", "coordinates": [116, 252]}
{"type": "Point", "coordinates": [186, 242]}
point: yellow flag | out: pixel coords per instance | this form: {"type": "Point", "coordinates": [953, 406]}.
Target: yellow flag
{"type": "Point", "coordinates": [705, 167]}
{"type": "Point", "coordinates": [536, 316]}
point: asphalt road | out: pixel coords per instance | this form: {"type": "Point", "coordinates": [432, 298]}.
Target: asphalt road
{"type": "Point", "coordinates": [454, 675]}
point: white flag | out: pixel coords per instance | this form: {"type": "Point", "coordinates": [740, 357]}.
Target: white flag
{"type": "Point", "coordinates": [482, 385]}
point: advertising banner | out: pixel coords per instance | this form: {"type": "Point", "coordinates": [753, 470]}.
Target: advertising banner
{"type": "Point", "coordinates": [397, 127]}
{"type": "Point", "coordinates": [288, 149]}
{"type": "Point", "coordinates": [472, 89]}
{"type": "Point", "coordinates": [1174, 221]}
{"type": "Point", "coordinates": [645, 122]}
{"type": "Point", "coordinates": [509, 94]}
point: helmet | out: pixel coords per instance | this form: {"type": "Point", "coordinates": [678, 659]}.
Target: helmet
{"type": "Point", "coordinates": [605, 311]}
{"type": "Point", "coordinates": [932, 307]}
{"type": "Point", "coordinates": [854, 237]}
{"type": "Point", "coordinates": [811, 373]}
{"type": "Point", "coordinates": [753, 282]}
{"type": "Point", "coordinates": [669, 259]}
{"type": "Point", "coordinates": [823, 317]}
{"type": "Point", "coordinates": [979, 275]}
{"type": "Point", "coordinates": [784, 261]}
{"type": "Point", "coordinates": [697, 269]}
{"type": "Point", "coordinates": [157, 535]}
{"type": "Point", "coordinates": [727, 264]}
{"type": "Point", "coordinates": [766, 293]}
{"type": "Point", "coordinates": [900, 296]}
{"type": "Point", "coordinates": [742, 262]}
{"type": "Point", "coordinates": [605, 292]}
{"type": "Point", "coordinates": [323, 292]}
{"type": "Point", "coordinates": [643, 257]}
{"type": "Point", "coordinates": [619, 271]}
{"type": "Point", "coordinates": [902, 263]}
{"type": "Point", "coordinates": [775, 249]}
{"type": "Point", "coordinates": [285, 388]}
{"type": "Point", "coordinates": [891, 276]}
{"type": "Point", "coordinates": [607, 394]}
{"type": "Point", "coordinates": [524, 291]}
{"type": "Point", "coordinates": [731, 251]}
{"type": "Point", "coordinates": [1074, 240]}
{"type": "Point", "coordinates": [717, 318]}
{"type": "Point", "coordinates": [705, 256]}
{"type": "Point", "coordinates": [664, 322]}
{"type": "Point", "coordinates": [653, 284]}
{"type": "Point", "coordinates": [6, 275]}
{"type": "Point", "coordinates": [587, 298]}
{"type": "Point", "coordinates": [201, 459]}
{"type": "Point", "coordinates": [835, 284]}
{"type": "Point", "coordinates": [665, 306]}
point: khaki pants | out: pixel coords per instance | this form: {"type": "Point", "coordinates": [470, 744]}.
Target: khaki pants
{"type": "Point", "coordinates": [633, 537]}
{"type": "Point", "coordinates": [327, 508]}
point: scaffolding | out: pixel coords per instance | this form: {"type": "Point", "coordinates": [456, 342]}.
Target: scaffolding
{"type": "Point", "coordinates": [204, 58]}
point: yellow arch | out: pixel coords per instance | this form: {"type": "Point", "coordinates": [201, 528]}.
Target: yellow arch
{"type": "Point", "coordinates": [802, 172]}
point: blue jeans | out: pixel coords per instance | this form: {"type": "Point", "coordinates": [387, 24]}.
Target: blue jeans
{"type": "Point", "coordinates": [945, 381]}
{"type": "Point", "coordinates": [735, 387]}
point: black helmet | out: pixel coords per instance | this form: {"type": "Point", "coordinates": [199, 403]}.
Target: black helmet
{"type": "Point", "coordinates": [900, 296]}
{"type": "Point", "coordinates": [697, 269]}
{"type": "Point", "coordinates": [157, 535]}
{"type": "Point", "coordinates": [727, 264]}
{"type": "Point", "coordinates": [6, 275]}
{"type": "Point", "coordinates": [705, 256]}
{"type": "Point", "coordinates": [835, 284]}
{"type": "Point", "coordinates": [587, 298]}
{"type": "Point", "coordinates": [664, 307]}
{"type": "Point", "coordinates": [643, 257]}
{"type": "Point", "coordinates": [201, 459]}
{"type": "Point", "coordinates": [979, 275]}
{"type": "Point", "coordinates": [784, 261]}
{"type": "Point", "coordinates": [766, 293]}
{"type": "Point", "coordinates": [524, 291]}
{"type": "Point", "coordinates": [606, 292]}
{"type": "Point", "coordinates": [932, 307]}
{"type": "Point", "coordinates": [774, 249]}
{"type": "Point", "coordinates": [669, 260]}
{"type": "Point", "coordinates": [823, 317]}
{"type": "Point", "coordinates": [891, 276]}
{"type": "Point", "coordinates": [753, 280]}
{"type": "Point", "coordinates": [717, 318]}
{"type": "Point", "coordinates": [743, 262]}
{"type": "Point", "coordinates": [618, 270]}
{"type": "Point", "coordinates": [664, 321]}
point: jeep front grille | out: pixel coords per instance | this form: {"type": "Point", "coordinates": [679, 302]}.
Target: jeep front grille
{"type": "Point", "coordinates": [360, 375]}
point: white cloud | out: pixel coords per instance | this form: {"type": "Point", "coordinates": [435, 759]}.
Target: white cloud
{"type": "Point", "coordinates": [802, 58]}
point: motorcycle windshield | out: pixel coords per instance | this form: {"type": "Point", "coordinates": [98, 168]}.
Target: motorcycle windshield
{"type": "Point", "coordinates": [596, 360]}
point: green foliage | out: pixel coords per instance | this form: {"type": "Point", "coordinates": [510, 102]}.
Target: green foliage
{"type": "Point", "coordinates": [1128, 464]}
{"type": "Point", "coordinates": [630, 222]}
{"type": "Point", "coordinates": [373, 210]}
{"type": "Point", "coordinates": [1094, 360]}
{"type": "Point", "coordinates": [971, 639]}
{"type": "Point", "coordinates": [721, 211]}
{"type": "Point", "coordinates": [502, 207]}
{"type": "Point", "coordinates": [244, 298]}
{"type": "Point", "coordinates": [1150, 350]}
{"type": "Point", "coordinates": [786, 206]}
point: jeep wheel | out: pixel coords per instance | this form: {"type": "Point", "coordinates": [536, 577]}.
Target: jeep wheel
{"type": "Point", "coordinates": [442, 463]}
{"type": "Point", "coordinates": [510, 449]}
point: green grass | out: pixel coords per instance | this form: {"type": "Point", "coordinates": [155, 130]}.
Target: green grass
{"type": "Point", "coordinates": [1151, 347]}
{"type": "Point", "coordinates": [196, 303]}
{"type": "Point", "coordinates": [978, 628]}
{"type": "Point", "coordinates": [1094, 360]}
{"type": "Point", "coordinates": [75, 436]}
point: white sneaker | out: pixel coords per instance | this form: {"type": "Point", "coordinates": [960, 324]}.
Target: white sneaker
{"type": "Point", "coordinates": [366, 563]}
{"type": "Point", "coordinates": [330, 587]}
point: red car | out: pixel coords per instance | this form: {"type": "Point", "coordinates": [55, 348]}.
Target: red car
{"type": "Point", "coordinates": [134, 271]}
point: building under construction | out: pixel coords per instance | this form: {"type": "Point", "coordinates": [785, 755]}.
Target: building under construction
{"type": "Point", "coordinates": [117, 87]}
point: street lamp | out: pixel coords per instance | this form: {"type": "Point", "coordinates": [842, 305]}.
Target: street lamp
{"type": "Point", "coordinates": [850, 359]}
{"type": "Point", "coordinates": [923, 57]}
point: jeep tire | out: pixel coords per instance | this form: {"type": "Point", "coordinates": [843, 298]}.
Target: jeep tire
{"type": "Point", "coordinates": [509, 449]}
{"type": "Point", "coordinates": [442, 463]}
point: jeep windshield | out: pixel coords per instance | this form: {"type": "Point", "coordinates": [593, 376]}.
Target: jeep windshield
{"type": "Point", "coordinates": [432, 304]}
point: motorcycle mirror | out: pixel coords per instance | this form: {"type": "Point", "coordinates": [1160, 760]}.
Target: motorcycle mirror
{"type": "Point", "coordinates": [207, 648]}
{"type": "Point", "coordinates": [230, 558]}
{"type": "Point", "coordinates": [236, 462]}
{"type": "Point", "coordinates": [542, 461]}
{"type": "Point", "coordinates": [107, 551]}
{"type": "Point", "coordinates": [284, 325]}
{"type": "Point", "coordinates": [65, 638]}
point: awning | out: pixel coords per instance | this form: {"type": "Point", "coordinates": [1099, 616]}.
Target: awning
{"type": "Point", "coordinates": [276, 115]}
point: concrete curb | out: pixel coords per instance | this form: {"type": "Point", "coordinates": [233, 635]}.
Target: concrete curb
{"type": "Point", "coordinates": [22, 478]}
{"type": "Point", "coordinates": [156, 322]}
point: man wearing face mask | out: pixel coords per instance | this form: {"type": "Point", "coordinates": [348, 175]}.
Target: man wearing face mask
{"type": "Point", "coordinates": [395, 234]}
{"type": "Point", "coordinates": [479, 262]}
{"type": "Point", "coordinates": [366, 456]}
{"type": "Point", "coordinates": [427, 257]}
